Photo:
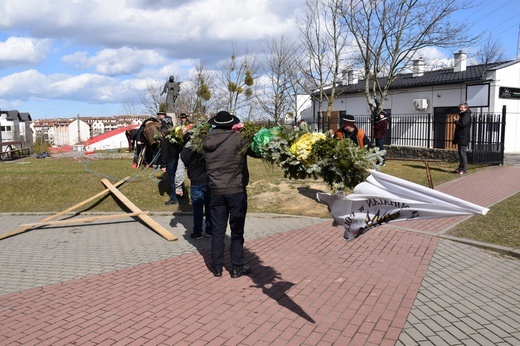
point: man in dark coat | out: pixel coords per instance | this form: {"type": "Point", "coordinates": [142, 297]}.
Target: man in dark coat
{"type": "Point", "coordinates": [461, 136]}
{"type": "Point", "coordinates": [226, 166]}
{"type": "Point", "coordinates": [165, 119]}
{"type": "Point", "coordinates": [169, 160]}
{"type": "Point", "coordinates": [137, 143]}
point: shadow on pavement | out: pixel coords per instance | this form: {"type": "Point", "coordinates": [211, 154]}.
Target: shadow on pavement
{"type": "Point", "coordinates": [263, 276]}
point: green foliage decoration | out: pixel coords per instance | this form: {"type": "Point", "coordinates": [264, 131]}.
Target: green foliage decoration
{"type": "Point", "coordinates": [174, 136]}
{"type": "Point", "coordinates": [197, 133]}
{"type": "Point", "coordinates": [342, 164]}
{"type": "Point", "coordinates": [302, 153]}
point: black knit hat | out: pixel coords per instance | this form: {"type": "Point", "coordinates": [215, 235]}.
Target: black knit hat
{"type": "Point", "coordinates": [224, 119]}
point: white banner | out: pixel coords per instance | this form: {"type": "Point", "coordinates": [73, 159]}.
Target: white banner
{"type": "Point", "coordinates": [383, 198]}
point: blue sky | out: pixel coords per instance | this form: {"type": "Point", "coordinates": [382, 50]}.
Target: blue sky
{"type": "Point", "coordinates": [61, 58]}
{"type": "Point", "coordinates": [501, 18]}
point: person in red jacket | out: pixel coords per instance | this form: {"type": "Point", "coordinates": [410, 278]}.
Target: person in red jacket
{"type": "Point", "coordinates": [380, 127]}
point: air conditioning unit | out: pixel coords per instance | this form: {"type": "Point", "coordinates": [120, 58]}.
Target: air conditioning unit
{"type": "Point", "coordinates": [420, 104]}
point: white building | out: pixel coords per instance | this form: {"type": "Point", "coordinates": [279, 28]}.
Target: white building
{"type": "Point", "coordinates": [303, 102]}
{"type": "Point", "coordinates": [115, 139]}
{"type": "Point", "coordinates": [486, 88]}
{"type": "Point", "coordinates": [16, 126]}
{"type": "Point", "coordinates": [73, 131]}
{"type": "Point", "coordinates": [70, 132]}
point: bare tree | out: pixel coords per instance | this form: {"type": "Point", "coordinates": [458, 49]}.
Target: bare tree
{"type": "Point", "coordinates": [129, 107]}
{"type": "Point", "coordinates": [196, 94]}
{"type": "Point", "coordinates": [186, 99]}
{"type": "Point", "coordinates": [203, 84]}
{"type": "Point", "coordinates": [151, 98]}
{"type": "Point", "coordinates": [324, 38]}
{"type": "Point", "coordinates": [490, 51]}
{"type": "Point", "coordinates": [275, 94]}
{"type": "Point", "coordinates": [389, 32]}
{"type": "Point", "coordinates": [236, 78]}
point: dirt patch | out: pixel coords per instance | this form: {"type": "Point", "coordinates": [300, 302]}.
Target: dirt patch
{"type": "Point", "coordinates": [82, 155]}
{"type": "Point", "coordinates": [287, 198]}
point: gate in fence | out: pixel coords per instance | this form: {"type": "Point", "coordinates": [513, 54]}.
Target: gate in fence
{"type": "Point", "coordinates": [487, 138]}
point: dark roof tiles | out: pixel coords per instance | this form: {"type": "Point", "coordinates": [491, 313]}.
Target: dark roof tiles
{"type": "Point", "coordinates": [474, 73]}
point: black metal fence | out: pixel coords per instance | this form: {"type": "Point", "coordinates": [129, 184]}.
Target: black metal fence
{"type": "Point", "coordinates": [436, 131]}
{"type": "Point", "coordinates": [487, 138]}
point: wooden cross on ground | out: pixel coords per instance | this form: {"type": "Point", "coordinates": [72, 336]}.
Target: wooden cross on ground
{"type": "Point", "coordinates": [110, 188]}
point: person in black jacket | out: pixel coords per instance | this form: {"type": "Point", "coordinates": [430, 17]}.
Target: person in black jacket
{"type": "Point", "coordinates": [200, 193]}
{"type": "Point", "coordinates": [169, 160]}
{"type": "Point", "coordinates": [461, 136]}
{"type": "Point", "coordinates": [138, 144]}
{"type": "Point", "coordinates": [226, 165]}
{"type": "Point", "coordinates": [164, 119]}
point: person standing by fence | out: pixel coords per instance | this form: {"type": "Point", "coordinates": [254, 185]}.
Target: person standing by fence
{"type": "Point", "coordinates": [380, 127]}
{"type": "Point", "coordinates": [461, 136]}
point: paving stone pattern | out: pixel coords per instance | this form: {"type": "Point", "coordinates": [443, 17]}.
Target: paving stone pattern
{"type": "Point", "coordinates": [120, 283]}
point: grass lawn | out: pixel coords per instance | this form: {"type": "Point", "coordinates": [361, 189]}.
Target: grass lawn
{"type": "Point", "coordinates": [57, 183]}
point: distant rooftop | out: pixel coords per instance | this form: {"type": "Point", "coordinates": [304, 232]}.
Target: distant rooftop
{"type": "Point", "coordinates": [472, 74]}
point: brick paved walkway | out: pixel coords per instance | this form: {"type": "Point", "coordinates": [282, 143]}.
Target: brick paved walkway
{"type": "Point", "coordinates": [121, 284]}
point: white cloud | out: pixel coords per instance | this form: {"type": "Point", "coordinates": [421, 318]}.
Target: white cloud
{"type": "Point", "coordinates": [86, 52]}
{"type": "Point", "coordinates": [194, 29]}
{"type": "Point", "coordinates": [23, 51]}
{"type": "Point", "coordinates": [115, 61]}
{"type": "Point", "coordinates": [91, 88]}
{"type": "Point", "coordinates": [434, 58]}
{"type": "Point", "coordinates": [17, 85]}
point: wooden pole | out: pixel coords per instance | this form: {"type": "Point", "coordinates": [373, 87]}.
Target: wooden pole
{"type": "Point", "coordinates": [23, 228]}
{"type": "Point", "coordinates": [99, 195]}
{"type": "Point", "coordinates": [145, 218]}
{"type": "Point", "coordinates": [83, 219]}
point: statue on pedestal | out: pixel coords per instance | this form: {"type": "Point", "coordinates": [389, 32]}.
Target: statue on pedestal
{"type": "Point", "coordinates": [172, 89]}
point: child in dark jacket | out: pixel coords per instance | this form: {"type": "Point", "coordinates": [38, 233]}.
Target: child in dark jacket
{"type": "Point", "coordinates": [200, 193]}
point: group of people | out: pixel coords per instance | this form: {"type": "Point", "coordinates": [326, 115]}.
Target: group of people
{"type": "Point", "coordinates": [461, 135]}
{"type": "Point", "coordinates": [359, 137]}
{"type": "Point", "coordinates": [218, 179]}
{"type": "Point", "coordinates": [219, 176]}
{"type": "Point", "coordinates": [163, 123]}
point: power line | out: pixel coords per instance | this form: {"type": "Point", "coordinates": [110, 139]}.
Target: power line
{"type": "Point", "coordinates": [494, 10]}
{"type": "Point", "coordinates": [518, 43]}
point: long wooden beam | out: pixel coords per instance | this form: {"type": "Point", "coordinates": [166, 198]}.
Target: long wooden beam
{"type": "Point", "coordinates": [157, 227]}
{"type": "Point", "coordinates": [83, 219]}
{"type": "Point", "coordinates": [88, 200]}
{"type": "Point", "coordinates": [23, 228]}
